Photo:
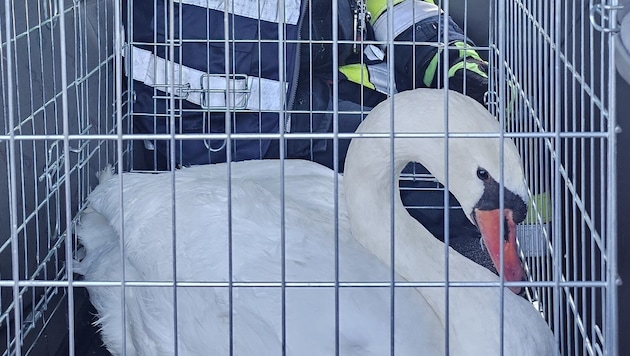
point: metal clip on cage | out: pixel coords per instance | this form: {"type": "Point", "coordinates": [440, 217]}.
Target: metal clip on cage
{"type": "Point", "coordinates": [601, 20]}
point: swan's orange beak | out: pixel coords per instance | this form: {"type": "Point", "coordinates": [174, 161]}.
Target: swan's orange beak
{"type": "Point", "coordinates": [489, 224]}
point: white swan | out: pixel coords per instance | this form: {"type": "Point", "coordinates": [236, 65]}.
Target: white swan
{"type": "Point", "coordinates": [253, 232]}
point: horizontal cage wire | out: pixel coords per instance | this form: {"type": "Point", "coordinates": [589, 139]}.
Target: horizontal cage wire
{"type": "Point", "coordinates": [126, 232]}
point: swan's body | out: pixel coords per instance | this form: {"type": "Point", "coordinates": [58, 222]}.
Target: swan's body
{"type": "Point", "coordinates": [311, 225]}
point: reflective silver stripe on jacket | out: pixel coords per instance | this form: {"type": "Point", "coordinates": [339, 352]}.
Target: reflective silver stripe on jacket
{"type": "Point", "coordinates": [405, 15]}
{"type": "Point", "coordinates": [205, 89]}
{"type": "Point", "coordinates": [266, 10]}
{"type": "Point", "coordinates": [379, 77]}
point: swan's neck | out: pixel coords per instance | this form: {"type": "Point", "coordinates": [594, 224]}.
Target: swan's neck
{"type": "Point", "coordinates": [418, 255]}
{"type": "Point", "coordinates": [373, 200]}
{"type": "Point", "coordinates": [368, 183]}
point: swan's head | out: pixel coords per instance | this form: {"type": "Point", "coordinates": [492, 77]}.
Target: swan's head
{"type": "Point", "coordinates": [491, 189]}
{"type": "Point", "coordinates": [487, 215]}
{"type": "Point", "coordinates": [482, 171]}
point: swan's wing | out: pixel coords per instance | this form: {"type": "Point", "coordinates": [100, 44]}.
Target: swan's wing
{"type": "Point", "coordinates": [255, 237]}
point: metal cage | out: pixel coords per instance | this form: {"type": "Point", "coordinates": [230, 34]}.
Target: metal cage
{"type": "Point", "coordinates": [68, 108]}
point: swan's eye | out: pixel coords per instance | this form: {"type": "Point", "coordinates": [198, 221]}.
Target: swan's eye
{"type": "Point", "coordinates": [482, 174]}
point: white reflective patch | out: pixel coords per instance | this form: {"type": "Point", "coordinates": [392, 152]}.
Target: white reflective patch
{"type": "Point", "coordinates": [373, 53]}
{"type": "Point", "coordinates": [405, 15]}
{"type": "Point", "coordinates": [204, 89]}
{"type": "Point", "coordinates": [379, 77]}
{"type": "Point", "coordinates": [266, 10]}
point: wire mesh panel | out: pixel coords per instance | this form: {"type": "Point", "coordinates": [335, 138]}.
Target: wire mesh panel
{"type": "Point", "coordinates": [57, 86]}
{"type": "Point", "coordinates": [165, 89]}
{"type": "Point", "coordinates": [554, 59]}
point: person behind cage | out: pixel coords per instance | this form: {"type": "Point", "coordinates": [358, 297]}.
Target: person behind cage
{"type": "Point", "coordinates": [418, 65]}
{"type": "Point", "coordinates": [363, 83]}
{"type": "Point", "coordinates": [261, 84]}
{"type": "Point", "coordinates": [364, 74]}
{"type": "Point", "coordinates": [200, 83]}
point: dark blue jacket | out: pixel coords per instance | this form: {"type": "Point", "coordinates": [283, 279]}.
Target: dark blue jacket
{"type": "Point", "coordinates": [254, 53]}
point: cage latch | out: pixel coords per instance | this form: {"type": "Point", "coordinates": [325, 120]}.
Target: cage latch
{"type": "Point", "coordinates": [601, 19]}
{"type": "Point", "coordinates": [180, 91]}
{"type": "Point", "coordinates": [214, 92]}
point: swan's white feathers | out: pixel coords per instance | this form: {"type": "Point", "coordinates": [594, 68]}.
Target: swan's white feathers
{"type": "Point", "coordinates": [203, 244]}
{"type": "Point", "coordinates": [202, 231]}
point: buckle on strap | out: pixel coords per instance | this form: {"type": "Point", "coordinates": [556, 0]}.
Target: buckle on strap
{"type": "Point", "coordinates": [220, 91]}
{"type": "Point", "coordinates": [208, 90]}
